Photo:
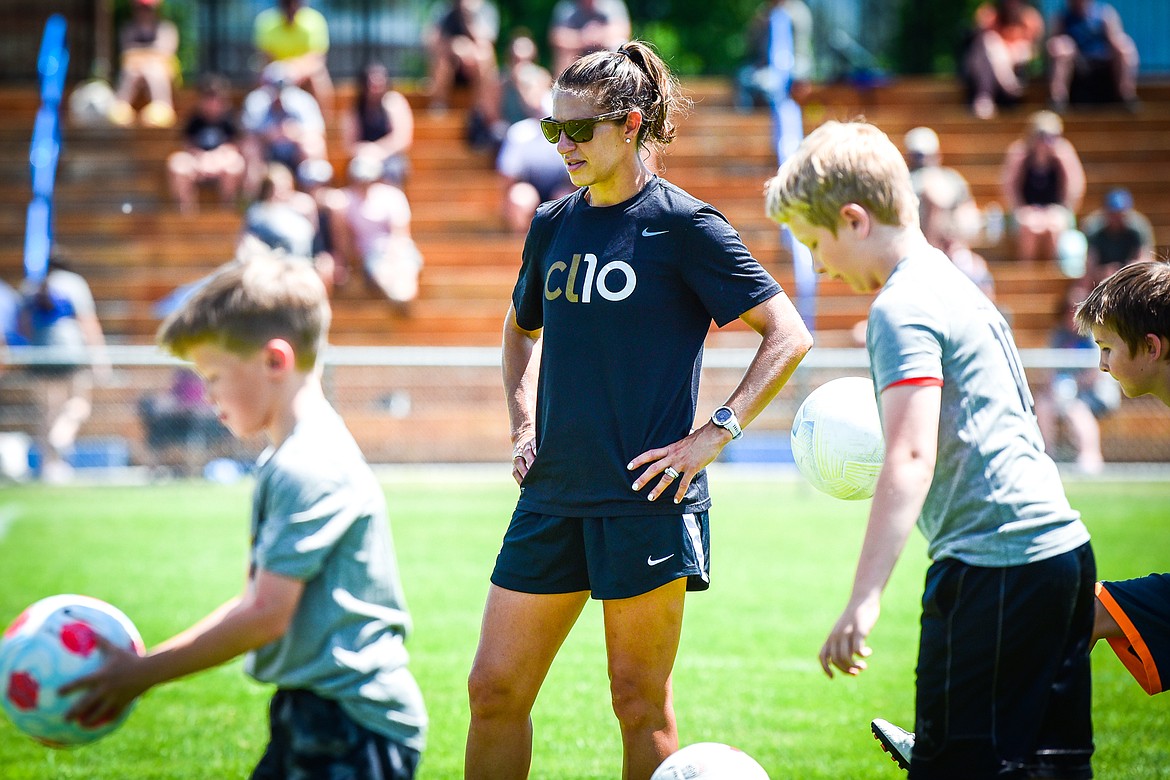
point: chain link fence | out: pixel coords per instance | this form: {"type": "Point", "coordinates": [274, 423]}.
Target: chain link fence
{"type": "Point", "coordinates": [424, 405]}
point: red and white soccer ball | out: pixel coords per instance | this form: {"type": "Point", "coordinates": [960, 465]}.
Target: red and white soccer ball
{"type": "Point", "coordinates": [709, 761]}
{"type": "Point", "coordinates": [50, 644]}
{"type": "Point", "coordinates": [837, 440]}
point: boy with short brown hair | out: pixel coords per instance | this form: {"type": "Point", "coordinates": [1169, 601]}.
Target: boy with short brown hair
{"type": "Point", "coordinates": [1128, 315]}
{"type": "Point", "coordinates": [322, 616]}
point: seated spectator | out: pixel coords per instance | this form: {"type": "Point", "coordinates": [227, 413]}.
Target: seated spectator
{"type": "Point", "coordinates": [183, 431]}
{"type": "Point", "coordinates": [1004, 44]}
{"type": "Point", "coordinates": [59, 312]}
{"type": "Point", "coordinates": [381, 124]}
{"type": "Point", "coordinates": [315, 179]}
{"type": "Point", "coordinates": [284, 219]}
{"type": "Point", "coordinates": [149, 64]}
{"type": "Point", "coordinates": [522, 56]}
{"type": "Point", "coordinates": [1074, 400]}
{"type": "Point", "coordinates": [947, 213]}
{"type": "Point", "coordinates": [210, 153]}
{"type": "Point", "coordinates": [297, 37]}
{"type": "Point", "coordinates": [578, 27]}
{"type": "Point", "coordinates": [283, 124]}
{"type": "Point", "coordinates": [1043, 183]}
{"type": "Point", "coordinates": [461, 46]}
{"type": "Point", "coordinates": [1117, 235]}
{"type": "Point", "coordinates": [1092, 59]}
{"type": "Point", "coordinates": [372, 226]}
{"type": "Point", "coordinates": [281, 217]}
{"type": "Point", "coordinates": [531, 168]}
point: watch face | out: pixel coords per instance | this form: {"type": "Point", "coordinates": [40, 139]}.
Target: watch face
{"type": "Point", "coordinates": [723, 415]}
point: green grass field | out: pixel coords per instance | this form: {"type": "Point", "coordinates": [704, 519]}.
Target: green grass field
{"type": "Point", "coordinates": [747, 672]}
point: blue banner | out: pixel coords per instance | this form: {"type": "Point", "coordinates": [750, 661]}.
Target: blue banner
{"type": "Point", "coordinates": [52, 65]}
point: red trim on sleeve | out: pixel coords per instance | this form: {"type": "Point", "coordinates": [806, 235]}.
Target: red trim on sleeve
{"type": "Point", "coordinates": [917, 381]}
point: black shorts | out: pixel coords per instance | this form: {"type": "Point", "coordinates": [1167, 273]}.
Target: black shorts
{"type": "Point", "coordinates": [612, 557]}
{"type": "Point", "coordinates": [1142, 608]}
{"type": "Point", "coordinates": [313, 737]}
{"type": "Point", "coordinates": [1004, 685]}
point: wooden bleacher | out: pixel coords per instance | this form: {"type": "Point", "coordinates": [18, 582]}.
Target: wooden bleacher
{"type": "Point", "coordinates": [115, 221]}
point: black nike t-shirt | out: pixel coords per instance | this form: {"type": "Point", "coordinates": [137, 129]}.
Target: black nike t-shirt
{"type": "Point", "coordinates": [625, 295]}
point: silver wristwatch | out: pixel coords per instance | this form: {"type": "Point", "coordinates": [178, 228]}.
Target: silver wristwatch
{"type": "Point", "coordinates": [725, 418]}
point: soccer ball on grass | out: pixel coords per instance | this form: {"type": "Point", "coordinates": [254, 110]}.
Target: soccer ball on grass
{"type": "Point", "coordinates": [709, 761]}
{"type": "Point", "coordinates": [837, 438]}
{"type": "Point", "coordinates": [49, 645]}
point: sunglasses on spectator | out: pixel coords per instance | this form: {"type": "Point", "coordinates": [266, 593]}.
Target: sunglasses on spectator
{"type": "Point", "coordinates": [578, 130]}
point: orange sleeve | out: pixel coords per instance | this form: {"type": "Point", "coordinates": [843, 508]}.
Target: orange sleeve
{"type": "Point", "coordinates": [1131, 648]}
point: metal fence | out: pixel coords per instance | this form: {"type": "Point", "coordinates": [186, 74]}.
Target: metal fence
{"type": "Point", "coordinates": [439, 405]}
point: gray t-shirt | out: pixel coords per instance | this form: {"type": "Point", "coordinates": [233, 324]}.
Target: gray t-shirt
{"type": "Point", "coordinates": [319, 515]}
{"type": "Point", "coordinates": [996, 498]}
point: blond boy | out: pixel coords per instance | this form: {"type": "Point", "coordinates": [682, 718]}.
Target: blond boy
{"type": "Point", "coordinates": [322, 616]}
{"type": "Point", "coordinates": [1003, 686]}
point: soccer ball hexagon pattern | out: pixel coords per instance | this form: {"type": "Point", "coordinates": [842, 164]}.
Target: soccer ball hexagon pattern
{"type": "Point", "coordinates": [50, 644]}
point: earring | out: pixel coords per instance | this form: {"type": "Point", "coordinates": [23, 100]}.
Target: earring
{"type": "Point", "coordinates": [627, 140]}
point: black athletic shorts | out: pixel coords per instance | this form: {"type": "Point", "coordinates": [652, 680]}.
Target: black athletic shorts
{"type": "Point", "coordinates": [612, 557]}
{"type": "Point", "coordinates": [1004, 685]}
{"type": "Point", "coordinates": [312, 737]}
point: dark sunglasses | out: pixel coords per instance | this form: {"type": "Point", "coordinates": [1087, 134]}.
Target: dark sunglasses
{"type": "Point", "coordinates": [578, 130]}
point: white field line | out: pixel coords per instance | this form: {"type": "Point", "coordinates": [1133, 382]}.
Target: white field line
{"type": "Point", "coordinates": [8, 516]}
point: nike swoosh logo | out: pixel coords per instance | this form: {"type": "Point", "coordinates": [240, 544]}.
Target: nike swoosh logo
{"type": "Point", "coordinates": [647, 232]}
{"type": "Point", "coordinates": [652, 561]}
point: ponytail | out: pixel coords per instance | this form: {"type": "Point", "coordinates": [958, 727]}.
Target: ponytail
{"type": "Point", "coordinates": [633, 76]}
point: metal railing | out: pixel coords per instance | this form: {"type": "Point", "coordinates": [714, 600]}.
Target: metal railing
{"type": "Point", "coordinates": [446, 404]}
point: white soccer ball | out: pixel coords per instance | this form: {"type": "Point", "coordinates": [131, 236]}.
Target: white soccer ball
{"type": "Point", "coordinates": [837, 438]}
{"type": "Point", "coordinates": [48, 645]}
{"type": "Point", "coordinates": [709, 761]}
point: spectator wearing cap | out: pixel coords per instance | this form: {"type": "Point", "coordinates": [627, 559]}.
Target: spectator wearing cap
{"type": "Point", "coordinates": [1117, 235]}
{"type": "Point", "coordinates": [372, 225]}
{"type": "Point", "coordinates": [282, 123]}
{"type": "Point", "coordinates": [947, 212]}
{"type": "Point", "coordinates": [297, 37]}
{"type": "Point", "coordinates": [149, 64]}
{"type": "Point", "coordinates": [211, 152]}
{"type": "Point", "coordinates": [1043, 183]}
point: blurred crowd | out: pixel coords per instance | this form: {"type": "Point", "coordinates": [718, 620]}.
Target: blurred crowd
{"type": "Point", "coordinates": [263, 149]}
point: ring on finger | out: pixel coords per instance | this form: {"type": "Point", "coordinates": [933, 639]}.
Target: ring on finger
{"type": "Point", "coordinates": [671, 472]}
